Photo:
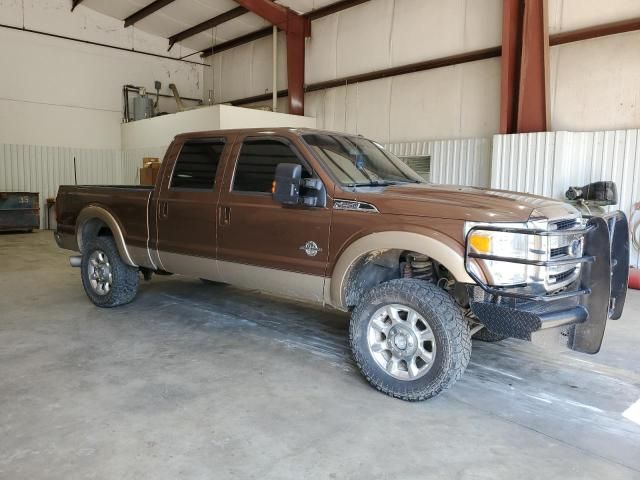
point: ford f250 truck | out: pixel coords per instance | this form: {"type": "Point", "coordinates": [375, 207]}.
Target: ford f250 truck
{"type": "Point", "coordinates": [335, 219]}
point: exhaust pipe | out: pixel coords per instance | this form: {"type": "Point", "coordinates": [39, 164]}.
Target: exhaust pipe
{"type": "Point", "coordinates": [75, 260]}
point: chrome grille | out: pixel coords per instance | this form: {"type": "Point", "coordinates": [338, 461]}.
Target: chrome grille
{"type": "Point", "coordinates": [564, 224]}
{"type": "Point", "coordinates": [559, 251]}
{"type": "Point", "coordinates": [560, 277]}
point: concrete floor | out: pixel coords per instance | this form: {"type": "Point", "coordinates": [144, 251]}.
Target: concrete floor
{"type": "Point", "coordinates": [197, 381]}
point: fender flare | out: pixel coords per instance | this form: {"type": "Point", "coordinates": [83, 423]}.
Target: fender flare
{"type": "Point", "coordinates": [436, 245]}
{"type": "Point", "coordinates": [95, 212]}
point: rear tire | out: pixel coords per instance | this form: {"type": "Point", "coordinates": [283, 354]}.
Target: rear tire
{"type": "Point", "coordinates": [410, 339]}
{"type": "Point", "coordinates": [107, 280]}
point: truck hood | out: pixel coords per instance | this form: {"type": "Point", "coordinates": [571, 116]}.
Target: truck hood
{"type": "Point", "coordinates": [463, 203]}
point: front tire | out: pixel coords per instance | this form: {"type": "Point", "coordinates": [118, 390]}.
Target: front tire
{"type": "Point", "coordinates": [107, 280]}
{"type": "Point", "coordinates": [410, 339]}
{"type": "Point", "coordinates": [485, 335]}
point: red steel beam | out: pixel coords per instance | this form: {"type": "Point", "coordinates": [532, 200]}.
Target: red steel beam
{"type": "Point", "coordinates": [272, 12]}
{"type": "Point", "coordinates": [510, 77]}
{"type": "Point", "coordinates": [265, 32]}
{"type": "Point", "coordinates": [525, 67]}
{"type": "Point", "coordinates": [144, 12]}
{"type": "Point", "coordinates": [533, 112]}
{"type": "Point", "coordinates": [596, 31]}
{"type": "Point", "coordinates": [297, 29]}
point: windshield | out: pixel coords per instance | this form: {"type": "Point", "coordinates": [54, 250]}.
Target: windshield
{"type": "Point", "coordinates": [356, 161]}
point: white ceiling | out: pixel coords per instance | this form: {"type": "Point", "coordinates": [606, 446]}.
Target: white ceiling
{"type": "Point", "coordinates": [182, 14]}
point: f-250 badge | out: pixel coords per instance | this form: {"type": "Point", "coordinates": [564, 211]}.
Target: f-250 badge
{"type": "Point", "coordinates": [311, 248]}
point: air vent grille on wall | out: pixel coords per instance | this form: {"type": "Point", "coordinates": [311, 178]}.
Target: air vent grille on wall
{"type": "Point", "coordinates": [420, 164]}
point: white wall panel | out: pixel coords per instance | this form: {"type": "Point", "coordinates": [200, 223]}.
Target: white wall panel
{"type": "Point", "coordinates": [321, 60]}
{"type": "Point", "coordinates": [567, 15]}
{"type": "Point", "coordinates": [465, 161]}
{"type": "Point", "coordinates": [363, 41]}
{"type": "Point", "coordinates": [35, 168]}
{"type": "Point", "coordinates": [548, 163]}
{"type": "Point", "coordinates": [594, 84]}
{"type": "Point", "coordinates": [60, 92]}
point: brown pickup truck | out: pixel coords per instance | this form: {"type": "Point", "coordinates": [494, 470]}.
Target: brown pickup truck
{"type": "Point", "coordinates": [335, 219]}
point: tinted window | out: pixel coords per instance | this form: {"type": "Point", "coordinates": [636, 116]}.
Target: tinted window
{"type": "Point", "coordinates": [257, 163]}
{"type": "Point", "coordinates": [197, 164]}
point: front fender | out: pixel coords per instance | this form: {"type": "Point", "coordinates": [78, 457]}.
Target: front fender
{"type": "Point", "coordinates": [441, 248]}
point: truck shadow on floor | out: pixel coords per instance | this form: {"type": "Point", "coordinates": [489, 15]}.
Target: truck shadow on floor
{"type": "Point", "coordinates": [565, 395]}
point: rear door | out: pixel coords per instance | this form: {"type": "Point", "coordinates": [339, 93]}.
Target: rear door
{"type": "Point", "coordinates": [186, 208]}
{"type": "Point", "coordinates": [263, 244]}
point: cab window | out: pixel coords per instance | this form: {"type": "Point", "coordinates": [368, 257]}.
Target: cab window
{"type": "Point", "coordinates": [197, 164]}
{"type": "Point", "coordinates": [257, 162]}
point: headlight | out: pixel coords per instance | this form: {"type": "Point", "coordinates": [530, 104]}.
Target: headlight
{"type": "Point", "coordinates": [504, 244]}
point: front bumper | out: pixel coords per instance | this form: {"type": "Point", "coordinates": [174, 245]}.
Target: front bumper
{"type": "Point", "coordinates": [577, 315]}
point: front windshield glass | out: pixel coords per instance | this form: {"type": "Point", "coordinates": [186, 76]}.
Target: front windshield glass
{"type": "Point", "coordinates": [356, 161]}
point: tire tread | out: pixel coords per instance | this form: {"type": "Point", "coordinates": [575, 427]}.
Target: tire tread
{"type": "Point", "coordinates": [426, 296]}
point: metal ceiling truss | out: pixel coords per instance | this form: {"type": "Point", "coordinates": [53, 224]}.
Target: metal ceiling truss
{"type": "Point", "coordinates": [207, 25]}
{"type": "Point", "coordinates": [143, 13]}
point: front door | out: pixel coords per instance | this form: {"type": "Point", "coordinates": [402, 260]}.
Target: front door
{"type": "Point", "coordinates": [263, 244]}
{"type": "Point", "coordinates": [186, 209]}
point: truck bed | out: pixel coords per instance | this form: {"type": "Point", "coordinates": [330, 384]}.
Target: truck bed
{"type": "Point", "coordinates": [127, 203]}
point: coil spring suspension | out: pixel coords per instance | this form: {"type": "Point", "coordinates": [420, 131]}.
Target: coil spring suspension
{"type": "Point", "coordinates": [418, 266]}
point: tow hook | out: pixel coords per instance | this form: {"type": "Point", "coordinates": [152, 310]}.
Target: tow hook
{"type": "Point", "coordinates": [75, 260]}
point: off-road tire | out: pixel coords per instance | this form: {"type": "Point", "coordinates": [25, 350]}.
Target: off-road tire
{"type": "Point", "coordinates": [485, 335]}
{"type": "Point", "coordinates": [125, 277]}
{"type": "Point", "coordinates": [446, 320]}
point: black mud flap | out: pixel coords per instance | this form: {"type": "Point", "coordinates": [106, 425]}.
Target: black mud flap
{"type": "Point", "coordinates": [619, 228]}
{"type": "Point", "coordinates": [607, 278]}
{"type": "Point", "coordinates": [587, 336]}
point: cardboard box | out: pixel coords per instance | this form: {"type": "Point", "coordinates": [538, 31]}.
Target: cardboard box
{"type": "Point", "coordinates": [149, 173]}
{"type": "Point", "coordinates": [148, 161]}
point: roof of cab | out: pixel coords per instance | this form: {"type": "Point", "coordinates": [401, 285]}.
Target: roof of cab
{"type": "Point", "coordinates": [264, 131]}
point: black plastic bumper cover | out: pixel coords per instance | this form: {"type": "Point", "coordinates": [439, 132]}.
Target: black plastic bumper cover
{"type": "Point", "coordinates": [580, 314]}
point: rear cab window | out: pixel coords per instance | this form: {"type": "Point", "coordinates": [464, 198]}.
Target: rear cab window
{"type": "Point", "coordinates": [197, 164]}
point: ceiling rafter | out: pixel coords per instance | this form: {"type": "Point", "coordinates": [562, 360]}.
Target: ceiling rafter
{"type": "Point", "coordinates": [144, 12]}
{"type": "Point", "coordinates": [333, 8]}
{"type": "Point", "coordinates": [75, 3]}
{"type": "Point", "coordinates": [265, 32]}
{"type": "Point", "coordinates": [236, 42]}
{"type": "Point", "coordinates": [206, 25]}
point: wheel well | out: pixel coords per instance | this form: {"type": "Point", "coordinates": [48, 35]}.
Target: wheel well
{"type": "Point", "coordinates": [381, 266]}
{"type": "Point", "coordinates": [91, 229]}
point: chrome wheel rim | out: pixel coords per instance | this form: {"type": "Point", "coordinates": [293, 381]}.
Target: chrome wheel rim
{"type": "Point", "coordinates": [99, 272]}
{"type": "Point", "coordinates": [401, 342]}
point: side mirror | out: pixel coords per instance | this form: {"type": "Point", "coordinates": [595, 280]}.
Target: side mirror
{"type": "Point", "coordinates": [286, 188]}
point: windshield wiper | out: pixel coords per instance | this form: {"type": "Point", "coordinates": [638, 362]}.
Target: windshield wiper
{"type": "Point", "coordinates": [372, 183]}
{"type": "Point", "coordinates": [381, 183]}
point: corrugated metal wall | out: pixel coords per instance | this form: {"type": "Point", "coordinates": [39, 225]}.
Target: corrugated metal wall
{"type": "Point", "coordinates": [548, 163]}
{"type": "Point", "coordinates": [464, 161]}
{"type": "Point", "coordinates": [36, 168]}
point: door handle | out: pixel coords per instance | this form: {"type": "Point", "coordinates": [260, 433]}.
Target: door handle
{"type": "Point", "coordinates": [225, 215]}
{"type": "Point", "coordinates": [164, 209]}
